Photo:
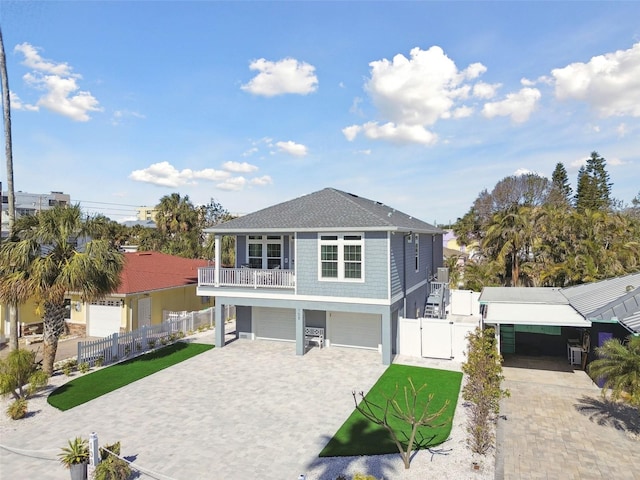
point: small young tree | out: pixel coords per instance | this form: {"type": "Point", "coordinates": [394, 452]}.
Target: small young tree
{"type": "Point", "coordinates": [21, 377]}
{"type": "Point", "coordinates": [482, 389]}
{"type": "Point", "coordinates": [411, 411]}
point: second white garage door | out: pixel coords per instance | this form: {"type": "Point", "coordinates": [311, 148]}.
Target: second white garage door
{"type": "Point", "coordinates": [104, 318]}
{"type": "Point", "coordinates": [274, 323]}
{"type": "Point", "coordinates": [360, 330]}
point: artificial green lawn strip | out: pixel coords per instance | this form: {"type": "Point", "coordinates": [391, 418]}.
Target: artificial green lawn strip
{"type": "Point", "coordinates": [358, 436]}
{"type": "Point", "coordinates": [83, 389]}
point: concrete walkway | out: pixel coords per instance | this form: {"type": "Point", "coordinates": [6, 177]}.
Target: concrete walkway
{"type": "Point", "coordinates": [556, 426]}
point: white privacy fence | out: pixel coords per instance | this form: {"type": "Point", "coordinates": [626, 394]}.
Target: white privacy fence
{"type": "Point", "coordinates": [120, 345]}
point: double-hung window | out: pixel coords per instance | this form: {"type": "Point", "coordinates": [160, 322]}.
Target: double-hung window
{"type": "Point", "coordinates": [341, 257]}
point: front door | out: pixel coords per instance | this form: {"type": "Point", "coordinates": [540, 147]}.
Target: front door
{"type": "Point", "coordinates": [144, 312]}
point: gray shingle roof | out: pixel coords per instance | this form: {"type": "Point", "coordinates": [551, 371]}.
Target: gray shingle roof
{"type": "Point", "coordinates": [326, 210]}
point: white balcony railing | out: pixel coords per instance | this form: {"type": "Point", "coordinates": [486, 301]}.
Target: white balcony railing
{"type": "Point", "coordinates": [247, 277]}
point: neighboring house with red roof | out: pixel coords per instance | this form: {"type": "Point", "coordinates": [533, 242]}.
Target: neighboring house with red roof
{"type": "Point", "coordinates": [151, 283]}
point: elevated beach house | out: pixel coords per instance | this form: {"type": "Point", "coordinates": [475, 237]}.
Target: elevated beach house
{"type": "Point", "coordinates": [329, 267]}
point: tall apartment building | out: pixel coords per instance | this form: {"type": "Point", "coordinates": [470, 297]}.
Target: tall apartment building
{"type": "Point", "coordinates": [31, 203]}
{"type": "Point", "coordinates": [146, 213]}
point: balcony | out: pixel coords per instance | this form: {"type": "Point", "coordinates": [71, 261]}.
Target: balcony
{"type": "Point", "coordinates": [246, 277]}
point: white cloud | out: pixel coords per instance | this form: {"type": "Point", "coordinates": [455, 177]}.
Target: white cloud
{"type": "Point", "coordinates": [165, 174]}
{"type": "Point", "coordinates": [16, 103]}
{"type": "Point", "coordinates": [622, 130]}
{"type": "Point", "coordinates": [518, 106]}
{"type": "Point", "coordinates": [61, 91]}
{"type": "Point", "coordinates": [351, 132]}
{"type": "Point", "coordinates": [413, 93]}
{"type": "Point", "coordinates": [237, 167]}
{"type": "Point", "coordinates": [120, 115]}
{"type": "Point", "coordinates": [462, 112]}
{"type": "Point", "coordinates": [262, 181]}
{"type": "Point", "coordinates": [419, 90]}
{"type": "Point", "coordinates": [33, 60]}
{"type": "Point", "coordinates": [292, 148]}
{"type": "Point", "coordinates": [609, 83]}
{"type": "Point", "coordinates": [392, 132]}
{"type": "Point", "coordinates": [616, 162]}
{"type": "Point", "coordinates": [281, 77]}
{"type": "Point", "coordinates": [485, 90]}
{"type": "Point", "coordinates": [233, 184]}
{"type": "Point", "coordinates": [525, 171]}
{"type": "Point", "coordinates": [250, 152]}
{"type": "Point", "coordinates": [576, 164]}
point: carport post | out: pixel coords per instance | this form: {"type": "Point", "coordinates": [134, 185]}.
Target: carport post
{"type": "Point", "coordinates": [299, 331]}
{"type": "Point", "coordinates": [219, 326]}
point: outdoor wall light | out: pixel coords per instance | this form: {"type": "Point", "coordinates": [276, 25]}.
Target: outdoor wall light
{"type": "Point", "coordinates": [122, 302]}
{"type": "Point", "coordinates": [78, 306]}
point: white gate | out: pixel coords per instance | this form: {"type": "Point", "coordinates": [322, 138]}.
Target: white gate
{"type": "Point", "coordinates": [437, 338]}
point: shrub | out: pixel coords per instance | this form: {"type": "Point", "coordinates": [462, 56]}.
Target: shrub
{"type": "Point", "coordinates": [483, 388]}
{"type": "Point", "coordinates": [99, 361]}
{"type": "Point", "coordinates": [84, 367]}
{"type": "Point", "coordinates": [112, 467]}
{"type": "Point", "coordinates": [152, 342]}
{"type": "Point", "coordinates": [17, 409]}
{"type": "Point", "coordinates": [21, 376]}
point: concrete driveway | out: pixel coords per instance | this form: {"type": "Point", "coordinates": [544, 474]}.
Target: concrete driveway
{"type": "Point", "coordinates": [204, 418]}
{"type": "Point", "coordinates": [557, 426]}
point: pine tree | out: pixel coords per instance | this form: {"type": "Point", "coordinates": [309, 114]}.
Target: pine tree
{"type": "Point", "coordinates": [596, 169]}
{"type": "Point", "coordinates": [561, 190]}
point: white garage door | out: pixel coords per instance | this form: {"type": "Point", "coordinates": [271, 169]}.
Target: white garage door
{"type": "Point", "coordinates": [274, 323]}
{"type": "Point", "coordinates": [360, 330]}
{"type": "Point", "coordinates": [104, 318]}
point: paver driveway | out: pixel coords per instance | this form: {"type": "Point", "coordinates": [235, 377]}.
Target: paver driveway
{"type": "Point", "coordinates": [558, 427]}
{"type": "Point", "coordinates": [249, 410]}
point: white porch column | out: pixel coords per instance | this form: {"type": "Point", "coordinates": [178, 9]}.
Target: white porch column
{"type": "Point", "coordinates": [299, 331]}
{"type": "Point", "coordinates": [498, 337]}
{"type": "Point", "coordinates": [216, 274]}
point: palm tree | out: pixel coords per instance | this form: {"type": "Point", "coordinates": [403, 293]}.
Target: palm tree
{"type": "Point", "coordinates": [178, 225]}
{"type": "Point", "coordinates": [509, 239]}
{"type": "Point", "coordinates": [51, 253]}
{"type": "Point", "coordinates": [11, 210]}
{"type": "Point", "coordinates": [619, 365]}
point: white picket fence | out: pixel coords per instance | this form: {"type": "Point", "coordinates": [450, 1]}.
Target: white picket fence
{"type": "Point", "coordinates": [121, 345]}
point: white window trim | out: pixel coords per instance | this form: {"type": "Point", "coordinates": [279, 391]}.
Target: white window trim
{"type": "Point", "coordinates": [341, 242]}
{"type": "Point", "coordinates": [264, 240]}
{"type": "Point", "coordinates": [417, 252]}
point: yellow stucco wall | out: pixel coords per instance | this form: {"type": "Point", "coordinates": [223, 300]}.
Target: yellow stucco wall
{"type": "Point", "coordinates": [175, 299]}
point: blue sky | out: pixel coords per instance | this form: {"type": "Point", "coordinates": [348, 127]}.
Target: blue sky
{"type": "Point", "coordinates": [419, 105]}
